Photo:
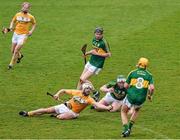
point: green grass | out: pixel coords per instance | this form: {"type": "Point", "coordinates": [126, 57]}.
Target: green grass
{"type": "Point", "coordinates": [53, 60]}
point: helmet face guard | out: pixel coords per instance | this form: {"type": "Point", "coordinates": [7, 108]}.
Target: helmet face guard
{"type": "Point", "coordinates": [121, 78]}
{"type": "Point", "coordinates": [87, 85]}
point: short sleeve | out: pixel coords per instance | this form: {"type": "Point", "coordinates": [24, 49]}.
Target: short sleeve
{"type": "Point", "coordinates": [91, 101]}
{"type": "Point", "coordinates": [72, 92]}
{"type": "Point", "coordinates": [111, 84]}
{"type": "Point", "coordinates": [14, 18]}
{"type": "Point", "coordinates": [151, 81]}
{"type": "Point", "coordinates": [33, 20]}
{"type": "Point", "coordinates": [128, 80]}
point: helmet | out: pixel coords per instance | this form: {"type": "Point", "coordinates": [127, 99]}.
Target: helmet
{"type": "Point", "coordinates": [121, 78]}
{"type": "Point", "coordinates": [87, 85]}
{"type": "Point", "coordinates": [143, 62]}
{"type": "Point", "coordinates": [98, 30]}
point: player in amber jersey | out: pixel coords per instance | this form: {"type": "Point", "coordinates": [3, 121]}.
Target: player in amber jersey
{"type": "Point", "coordinates": [21, 24]}
{"type": "Point", "coordinates": [70, 109]}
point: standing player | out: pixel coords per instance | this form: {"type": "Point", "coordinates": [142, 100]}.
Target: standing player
{"type": "Point", "coordinates": [98, 54]}
{"type": "Point", "coordinates": [115, 93]}
{"type": "Point", "coordinates": [21, 23]}
{"type": "Point", "coordinates": [71, 109]}
{"type": "Point", "coordinates": [139, 85]}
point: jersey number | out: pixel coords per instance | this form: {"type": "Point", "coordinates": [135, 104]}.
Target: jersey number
{"type": "Point", "coordinates": [139, 83]}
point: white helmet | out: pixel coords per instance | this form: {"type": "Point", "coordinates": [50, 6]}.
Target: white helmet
{"type": "Point", "coordinates": [87, 85]}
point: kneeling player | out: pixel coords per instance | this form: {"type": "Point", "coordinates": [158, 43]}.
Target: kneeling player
{"type": "Point", "coordinates": [70, 109]}
{"type": "Point", "coordinates": [115, 93]}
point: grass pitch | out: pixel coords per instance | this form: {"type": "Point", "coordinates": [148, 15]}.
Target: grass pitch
{"type": "Point", "coordinates": [148, 28]}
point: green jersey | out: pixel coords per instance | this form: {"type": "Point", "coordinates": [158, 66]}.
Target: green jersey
{"type": "Point", "coordinates": [101, 44]}
{"type": "Point", "coordinates": [138, 81]}
{"type": "Point", "coordinates": [118, 94]}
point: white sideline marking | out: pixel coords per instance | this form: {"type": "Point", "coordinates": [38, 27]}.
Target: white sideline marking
{"type": "Point", "coordinates": [151, 131]}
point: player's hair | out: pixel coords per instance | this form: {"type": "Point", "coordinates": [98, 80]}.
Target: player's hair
{"type": "Point", "coordinates": [24, 3]}
{"type": "Point", "coordinates": [99, 30]}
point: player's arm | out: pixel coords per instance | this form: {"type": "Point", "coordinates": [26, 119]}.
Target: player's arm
{"type": "Point", "coordinates": [62, 92]}
{"type": "Point", "coordinates": [150, 91]}
{"type": "Point", "coordinates": [94, 52]}
{"type": "Point", "coordinates": [101, 106]}
{"type": "Point", "coordinates": [12, 23]}
{"type": "Point", "coordinates": [32, 29]}
{"type": "Point", "coordinates": [6, 30]}
{"type": "Point", "coordinates": [33, 21]}
{"type": "Point", "coordinates": [106, 89]}
{"type": "Point", "coordinates": [128, 80]}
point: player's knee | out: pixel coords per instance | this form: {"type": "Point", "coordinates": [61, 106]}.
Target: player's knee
{"type": "Point", "coordinates": [124, 109]}
{"type": "Point", "coordinates": [16, 51]}
{"type": "Point", "coordinates": [62, 117]}
{"type": "Point", "coordinates": [59, 117]}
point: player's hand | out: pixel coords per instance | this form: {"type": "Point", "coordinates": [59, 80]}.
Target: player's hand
{"type": "Point", "coordinates": [110, 107]}
{"type": "Point", "coordinates": [149, 97]}
{"type": "Point", "coordinates": [84, 55]}
{"type": "Point", "coordinates": [108, 54]}
{"type": "Point", "coordinates": [56, 97]}
{"type": "Point", "coordinates": [94, 52]}
{"type": "Point", "coordinates": [110, 90]}
{"type": "Point", "coordinates": [30, 33]}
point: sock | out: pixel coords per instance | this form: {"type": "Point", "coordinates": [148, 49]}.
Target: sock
{"type": "Point", "coordinates": [130, 124]}
{"type": "Point", "coordinates": [12, 61]}
{"type": "Point", "coordinates": [29, 114]}
{"type": "Point", "coordinates": [19, 55]}
{"type": "Point", "coordinates": [125, 127]}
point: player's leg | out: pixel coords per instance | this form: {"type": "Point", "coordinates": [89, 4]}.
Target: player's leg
{"type": "Point", "coordinates": [84, 78]}
{"type": "Point", "coordinates": [103, 102]}
{"type": "Point", "coordinates": [65, 113]}
{"type": "Point", "coordinates": [66, 116]}
{"type": "Point", "coordinates": [124, 117]}
{"type": "Point", "coordinates": [133, 117]}
{"type": "Point", "coordinates": [38, 112]}
{"type": "Point", "coordinates": [116, 106]}
{"type": "Point", "coordinates": [20, 40]}
{"type": "Point", "coordinates": [13, 46]}
{"type": "Point", "coordinates": [15, 55]}
{"type": "Point", "coordinates": [106, 100]}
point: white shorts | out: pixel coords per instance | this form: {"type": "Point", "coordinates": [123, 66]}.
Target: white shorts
{"type": "Point", "coordinates": [129, 105]}
{"type": "Point", "coordinates": [109, 99]}
{"type": "Point", "coordinates": [92, 68]}
{"type": "Point", "coordinates": [60, 109]}
{"type": "Point", "coordinates": [19, 39]}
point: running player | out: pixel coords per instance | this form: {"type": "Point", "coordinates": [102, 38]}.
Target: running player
{"type": "Point", "coordinates": [70, 109]}
{"type": "Point", "coordinates": [98, 54]}
{"type": "Point", "coordinates": [139, 85]}
{"type": "Point", "coordinates": [20, 24]}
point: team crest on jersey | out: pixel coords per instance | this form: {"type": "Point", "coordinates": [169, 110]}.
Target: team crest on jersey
{"type": "Point", "coordinates": [22, 19]}
{"type": "Point", "coordinates": [79, 100]}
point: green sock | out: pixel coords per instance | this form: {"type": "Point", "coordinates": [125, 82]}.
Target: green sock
{"type": "Point", "coordinates": [130, 124]}
{"type": "Point", "coordinates": [125, 127]}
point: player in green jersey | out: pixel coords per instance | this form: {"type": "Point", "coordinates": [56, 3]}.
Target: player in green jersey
{"type": "Point", "coordinates": [139, 85]}
{"type": "Point", "coordinates": [98, 54]}
{"type": "Point", "coordinates": [115, 93]}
